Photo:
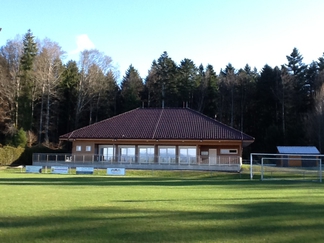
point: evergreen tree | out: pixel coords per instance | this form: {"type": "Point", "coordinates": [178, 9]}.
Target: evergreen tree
{"type": "Point", "coordinates": [206, 93]}
{"type": "Point", "coordinates": [246, 90]}
{"type": "Point", "coordinates": [297, 69]}
{"type": "Point", "coordinates": [320, 63]}
{"type": "Point", "coordinates": [187, 76]}
{"type": "Point", "coordinates": [110, 105]}
{"type": "Point", "coordinates": [267, 105]}
{"type": "Point", "coordinates": [68, 97]}
{"type": "Point", "coordinates": [26, 102]}
{"type": "Point", "coordinates": [131, 89]}
{"type": "Point", "coordinates": [161, 86]}
{"type": "Point", "coordinates": [228, 82]}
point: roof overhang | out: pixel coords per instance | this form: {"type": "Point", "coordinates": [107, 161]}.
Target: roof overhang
{"type": "Point", "coordinates": [162, 141]}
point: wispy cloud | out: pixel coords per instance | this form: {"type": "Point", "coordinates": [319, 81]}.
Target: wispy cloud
{"type": "Point", "coordinates": [83, 42]}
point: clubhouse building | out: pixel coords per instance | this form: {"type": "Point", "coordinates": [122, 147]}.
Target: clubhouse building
{"type": "Point", "coordinates": [155, 138]}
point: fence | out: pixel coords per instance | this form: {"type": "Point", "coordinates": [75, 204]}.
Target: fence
{"type": "Point", "coordinates": [228, 163]}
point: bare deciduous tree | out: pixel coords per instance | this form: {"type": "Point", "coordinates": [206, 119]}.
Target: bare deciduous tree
{"type": "Point", "coordinates": [11, 54]}
{"type": "Point", "coordinates": [48, 70]}
{"type": "Point", "coordinates": [93, 66]}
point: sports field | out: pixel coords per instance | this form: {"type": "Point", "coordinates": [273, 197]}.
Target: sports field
{"type": "Point", "coordinates": [158, 207]}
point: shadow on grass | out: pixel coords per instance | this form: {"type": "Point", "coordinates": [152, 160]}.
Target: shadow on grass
{"type": "Point", "coordinates": [74, 180]}
{"type": "Point", "coordinates": [255, 222]}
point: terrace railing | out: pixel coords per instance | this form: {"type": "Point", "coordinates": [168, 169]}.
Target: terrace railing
{"type": "Point", "coordinates": [138, 160]}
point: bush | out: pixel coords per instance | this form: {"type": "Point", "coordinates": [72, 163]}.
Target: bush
{"type": "Point", "coordinates": [10, 154]}
{"type": "Point", "coordinates": [17, 138]}
{"type": "Point", "coordinates": [20, 138]}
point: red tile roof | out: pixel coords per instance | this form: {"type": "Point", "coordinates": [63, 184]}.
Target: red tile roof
{"type": "Point", "coordinates": [158, 123]}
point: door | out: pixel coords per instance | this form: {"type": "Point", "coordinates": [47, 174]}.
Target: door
{"type": "Point", "coordinates": [212, 156]}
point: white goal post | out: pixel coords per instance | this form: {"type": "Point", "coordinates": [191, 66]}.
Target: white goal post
{"type": "Point", "coordinates": [286, 165]}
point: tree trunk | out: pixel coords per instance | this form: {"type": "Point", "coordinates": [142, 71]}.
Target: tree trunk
{"type": "Point", "coordinates": [41, 118]}
{"type": "Point", "coordinates": [97, 107]}
{"type": "Point", "coordinates": [47, 118]}
{"type": "Point", "coordinates": [90, 115]}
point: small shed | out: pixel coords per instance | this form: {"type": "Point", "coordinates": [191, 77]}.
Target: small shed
{"type": "Point", "coordinates": [296, 156]}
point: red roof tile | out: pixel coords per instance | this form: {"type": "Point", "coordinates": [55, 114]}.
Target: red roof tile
{"type": "Point", "coordinates": [158, 123]}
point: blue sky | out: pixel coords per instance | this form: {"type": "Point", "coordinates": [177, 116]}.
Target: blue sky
{"type": "Point", "coordinates": [136, 32]}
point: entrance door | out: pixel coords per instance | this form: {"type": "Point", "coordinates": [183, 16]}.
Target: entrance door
{"type": "Point", "coordinates": [212, 156]}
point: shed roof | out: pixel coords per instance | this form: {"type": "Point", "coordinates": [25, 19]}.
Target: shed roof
{"type": "Point", "coordinates": [158, 123]}
{"type": "Point", "coordinates": [297, 150]}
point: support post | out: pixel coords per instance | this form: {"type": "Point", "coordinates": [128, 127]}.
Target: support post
{"type": "Point", "coordinates": [320, 169]}
{"type": "Point", "coordinates": [251, 165]}
{"type": "Point", "coordinates": [262, 169]}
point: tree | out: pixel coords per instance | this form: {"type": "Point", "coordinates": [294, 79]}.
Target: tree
{"type": "Point", "coordinates": [93, 66]}
{"type": "Point", "coordinates": [246, 90]}
{"type": "Point", "coordinates": [297, 69]}
{"type": "Point", "coordinates": [68, 97]}
{"type": "Point", "coordinates": [11, 54]}
{"type": "Point", "coordinates": [315, 121]}
{"type": "Point", "coordinates": [26, 102]}
{"type": "Point", "coordinates": [131, 89]}
{"type": "Point", "coordinates": [266, 107]}
{"type": "Point", "coordinates": [161, 86]}
{"type": "Point", "coordinates": [187, 76]}
{"type": "Point", "coordinates": [320, 63]}
{"type": "Point", "coordinates": [206, 92]}
{"type": "Point", "coordinates": [48, 71]}
{"type": "Point", "coordinates": [5, 100]}
{"type": "Point", "coordinates": [228, 80]}
{"type": "Point", "coordinates": [110, 106]}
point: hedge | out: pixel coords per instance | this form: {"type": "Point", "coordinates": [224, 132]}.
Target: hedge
{"type": "Point", "coordinates": [9, 154]}
{"type": "Point", "coordinates": [22, 156]}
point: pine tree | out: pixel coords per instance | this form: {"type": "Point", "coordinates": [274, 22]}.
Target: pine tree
{"type": "Point", "coordinates": [160, 84]}
{"type": "Point", "coordinates": [131, 89]}
{"type": "Point", "coordinates": [320, 63]}
{"type": "Point", "coordinates": [67, 89]}
{"type": "Point", "coordinates": [187, 76]}
{"type": "Point", "coordinates": [26, 105]}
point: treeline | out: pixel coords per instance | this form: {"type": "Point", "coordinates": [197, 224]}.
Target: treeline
{"type": "Point", "coordinates": [46, 98]}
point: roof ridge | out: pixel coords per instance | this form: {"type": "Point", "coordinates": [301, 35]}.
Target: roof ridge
{"type": "Point", "coordinates": [157, 124]}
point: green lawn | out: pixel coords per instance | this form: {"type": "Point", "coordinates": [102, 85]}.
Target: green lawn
{"type": "Point", "coordinates": [158, 207]}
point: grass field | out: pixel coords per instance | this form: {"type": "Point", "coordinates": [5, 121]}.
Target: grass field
{"type": "Point", "coordinates": [158, 207]}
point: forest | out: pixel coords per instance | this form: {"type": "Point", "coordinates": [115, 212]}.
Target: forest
{"type": "Point", "coordinates": [42, 97]}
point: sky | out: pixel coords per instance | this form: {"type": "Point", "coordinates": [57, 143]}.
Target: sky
{"type": "Point", "coordinates": [136, 32]}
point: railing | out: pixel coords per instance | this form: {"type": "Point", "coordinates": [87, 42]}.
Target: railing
{"type": "Point", "coordinates": [138, 160]}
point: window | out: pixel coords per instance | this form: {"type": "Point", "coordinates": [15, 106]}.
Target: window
{"type": "Point", "coordinates": [228, 151]}
{"type": "Point", "coordinates": [187, 155]}
{"type": "Point", "coordinates": [167, 154]}
{"type": "Point", "coordinates": [88, 148]}
{"type": "Point", "coordinates": [146, 154]}
{"type": "Point", "coordinates": [78, 148]}
{"type": "Point", "coordinates": [127, 154]}
{"type": "Point", "coordinates": [106, 153]}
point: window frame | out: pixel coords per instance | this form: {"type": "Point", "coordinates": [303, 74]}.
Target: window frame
{"type": "Point", "coordinates": [229, 151]}
{"type": "Point", "coordinates": [188, 158]}
{"type": "Point", "coordinates": [126, 157]}
{"type": "Point", "coordinates": [169, 158]}
{"type": "Point", "coordinates": [148, 156]}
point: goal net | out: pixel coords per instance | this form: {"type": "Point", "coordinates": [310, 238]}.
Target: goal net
{"type": "Point", "coordinates": [286, 167]}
